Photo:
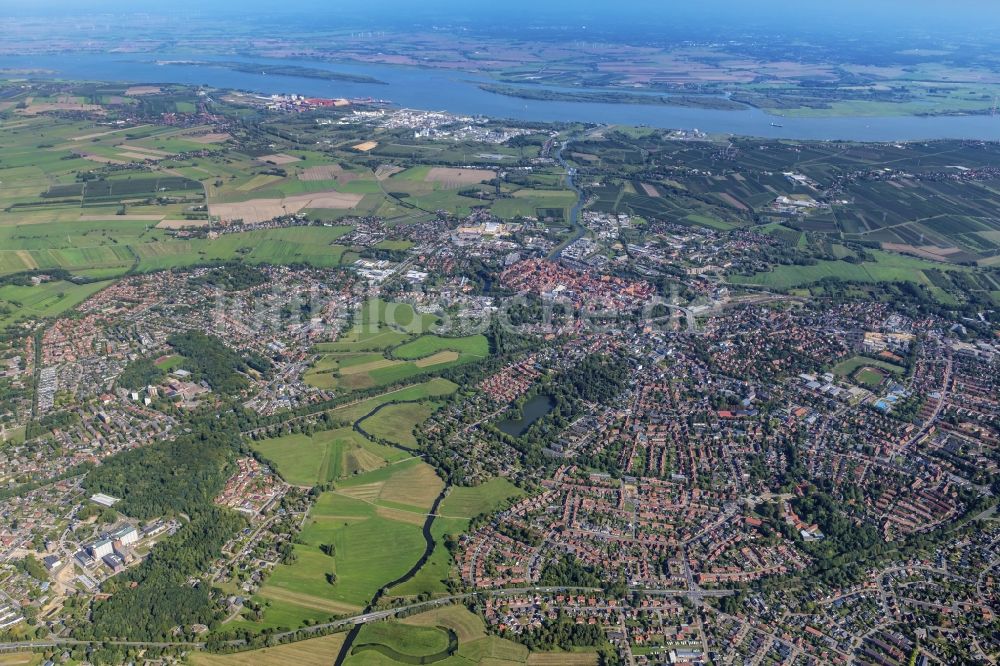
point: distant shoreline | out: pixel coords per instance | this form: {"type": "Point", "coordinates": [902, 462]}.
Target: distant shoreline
{"type": "Point", "coordinates": [277, 70]}
{"type": "Point", "coordinates": [615, 97]}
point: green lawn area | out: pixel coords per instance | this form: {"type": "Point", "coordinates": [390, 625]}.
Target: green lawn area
{"type": "Point", "coordinates": [847, 367]}
{"type": "Point", "coordinates": [426, 345]}
{"type": "Point", "coordinates": [711, 222]}
{"type": "Point", "coordinates": [869, 377]}
{"type": "Point", "coordinates": [370, 550]}
{"type": "Point", "coordinates": [356, 340]}
{"type": "Point", "coordinates": [308, 245]}
{"type": "Point", "coordinates": [21, 659]}
{"type": "Point", "coordinates": [432, 578]}
{"type": "Point", "coordinates": [469, 502]}
{"type": "Point", "coordinates": [395, 638]}
{"type": "Point", "coordinates": [312, 652]}
{"type": "Point", "coordinates": [48, 299]}
{"type": "Point", "coordinates": [284, 614]}
{"type": "Point", "coordinates": [429, 389]}
{"type": "Point", "coordinates": [396, 423]}
{"type": "Point", "coordinates": [169, 363]}
{"type": "Point", "coordinates": [888, 267]}
{"type": "Point", "coordinates": [467, 625]}
{"type": "Point", "coordinates": [394, 245]}
{"type": "Point", "coordinates": [115, 245]}
{"type": "Point", "coordinates": [325, 456]}
{"type": "Point", "coordinates": [13, 436]}
{"type": "Point", "coordinates": [364, 356]}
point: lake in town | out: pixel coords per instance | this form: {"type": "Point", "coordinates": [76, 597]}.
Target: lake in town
{"type": "Point", "coordinates": [533, 410]}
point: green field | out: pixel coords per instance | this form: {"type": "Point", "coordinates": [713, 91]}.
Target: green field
{"type": "Point", "coordinates": [869, 377]}
{"type": "Point", "coordinates": [426, 345]}
{"type": "Point", "coordinates": [458, 507]}
{"type": "Point", "coordinates": [13, 435]}
{"type": "Point", "coordinates": [116, 246]}
{"type": "Point", "coordinates": [325, 456]}
{"type": "Point", "coordinates": [847, 367]}
{"type": "Point", "coordinates": [380, 325]}
{"type": "Point", "coordinates": [469, 502]}
{"type": "Point", "coordinates": [370, 550]}
{"type": "Point", "coordinates": [171, 362]}
{"type": "Point", "coordinates": [432, 578]}
{"type": "Point", "coordinates": [426, 634]}
{"type": "Point", "coordinates": [467, 625]}
{"type": "Point", "coordinates": [396, 423]}
{"type": "Point", "coordinates": [402, 641]}
{"type": "Point", "coordinates": [430, 389]}
{"type": "Point", "coordinates": [48, 299]}
{"type": "Point", "coordinates": [373, 521]}
{"type": "Point", "coordinates": [21, 659]}
{"type": "Point", "coordinates": [886, 268]}
{"type": "Point", "coordinates": [350, 364]}
{"type": "Point", "coordinates": [312, 652]}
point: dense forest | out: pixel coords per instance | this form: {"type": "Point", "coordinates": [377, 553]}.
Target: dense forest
{"type": "Point", "coordinates": [148, 602]}
{"type": "Point", "coordinates": [168, 477]}
{"type": "Point", "coordinates": [179, 478]}
{"type": "Point", "coordinates": [139, 374]}
{"type": "Point", "coordinates": [233, 276]}
{"type": "Point", "coordinates": [563, 633]}
{"type": "Point", "coordinates": [214, 363]}
{"type": "Point", "coordinates": [569, 571]}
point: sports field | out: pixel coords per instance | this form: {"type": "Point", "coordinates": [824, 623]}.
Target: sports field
{"type": "Point", "coordinates": [848, 366]}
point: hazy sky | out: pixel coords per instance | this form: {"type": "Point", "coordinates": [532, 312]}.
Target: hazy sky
{"type": "Point", "coordinates": [782, 14]}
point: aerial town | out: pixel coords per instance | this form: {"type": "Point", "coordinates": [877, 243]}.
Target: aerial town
{"type": "Point", "coordinates": [446, 388]}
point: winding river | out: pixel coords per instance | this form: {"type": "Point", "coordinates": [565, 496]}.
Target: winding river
{"type": "Point", "coordinates": [429, 544]}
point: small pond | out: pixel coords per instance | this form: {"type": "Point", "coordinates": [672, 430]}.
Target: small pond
{"type": "Point", "coordinates": [533, 410]}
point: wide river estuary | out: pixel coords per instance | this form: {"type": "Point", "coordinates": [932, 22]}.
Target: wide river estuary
{"type": "Point", "coordinates": [459, 92]}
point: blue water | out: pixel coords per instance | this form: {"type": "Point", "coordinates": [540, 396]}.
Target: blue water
{"type": "Point", "coordinates": [533, 410]}
{"type": "Point", "coordinates": [458, 92]}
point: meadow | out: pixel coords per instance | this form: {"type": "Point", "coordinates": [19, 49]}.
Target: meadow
{"type": "Point", "coordinates": [432, 388]}
{"type": "Point", "coordinates": [427, 345]}
{"type": "Point", "coordinates": [471, 501]}
{"type": "Point", "coordinates": [397, 423]}
{"type": "Point", "coordinates": [430, 636]}
{"type": "Point", "coordinates": [459, 506]}
{"type": "Point", "coordinates": [48, 299]}
{"type": "Point", "coordinates": [21, 659]}
{"type": "Point", "coordinates": [386, 345]}
{"type": "Point", "coordinates": [405, 643]}
{"type": "Point", "coordinates": [325, 456]}
{"type": "Point", "coordinates": [373, 522]}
